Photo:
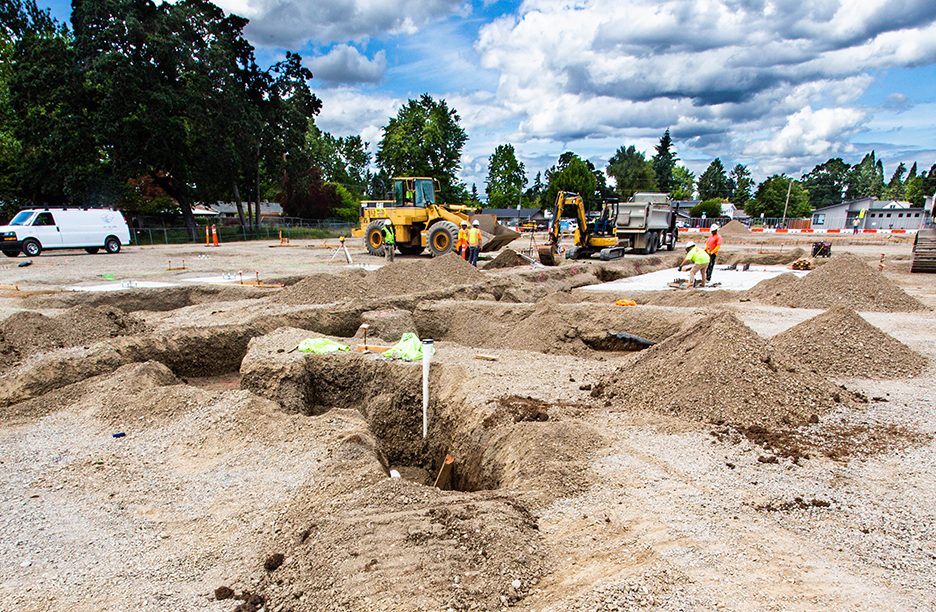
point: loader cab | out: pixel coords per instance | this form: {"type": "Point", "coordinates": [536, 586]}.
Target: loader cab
{"type": "Point", "coordinates": [414, 191]}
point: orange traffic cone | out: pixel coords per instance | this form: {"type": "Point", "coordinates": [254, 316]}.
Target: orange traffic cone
{"type": "Point", "coordinates": [214, 235]}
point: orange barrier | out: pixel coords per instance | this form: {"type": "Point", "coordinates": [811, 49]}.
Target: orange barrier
{"type": "Point", "coordinates": [214, 234]}
{"type": "Point", "coordinates": [207, 237]}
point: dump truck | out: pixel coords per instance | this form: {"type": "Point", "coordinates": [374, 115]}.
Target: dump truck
{"type": "Point", "coordinates": [644, 226]}
{"type": "Point", "coordinates": [420, 222]}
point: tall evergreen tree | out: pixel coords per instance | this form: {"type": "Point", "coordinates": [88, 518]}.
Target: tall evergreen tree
{"type": "Point", "coordinates": [664, 162]}
{"type": "Point", "coordinates": [714, 182]}
{"type": "Point", "coordinates": [740, 185]}
{"type": "Point", "coordinates": [506, 178]}
{"type": "Point", "coordinates": [866, 179]}
{"type": "Point", "coordinates": [895, 186]}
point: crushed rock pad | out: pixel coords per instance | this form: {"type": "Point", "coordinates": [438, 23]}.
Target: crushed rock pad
{"type": "Point", "coordinates": [845, 280]}
{"type": "Point", "coordinates": [507, 258]}
{"type": "Point", "coordinates": [27, 333]}
{"type": "Point", "coordinates": [841, 343]}
{"type": "Point", "coordinates": [719, 370]}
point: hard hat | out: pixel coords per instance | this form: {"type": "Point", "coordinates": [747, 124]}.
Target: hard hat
{"type": "Point", "coordinates": [690, 245]}
{"type": "Point", "coordinates": [464, 223]}
{"type": "Point", "coordinates": [387, 222]}
{"type": "Point", "coordinates": [714, 227]}
{"type": "Point", "coordinates": [476, 223]}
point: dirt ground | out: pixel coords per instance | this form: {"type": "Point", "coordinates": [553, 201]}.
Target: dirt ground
{"type": "Point", "coordinates": [169, 448]}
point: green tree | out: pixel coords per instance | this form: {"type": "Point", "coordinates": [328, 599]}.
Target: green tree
{"type": "Point", "coordinates": [866, 179]}
{"type": "Point", "coordinates": [895, 186]}
{"type": "Point", "coordinates": [826, 183]}
{"type": "Point", "coordinates": [348, 207]}
{"type": "Point", "coordinates": [631, 171]}
{"type": "Point", "coordinates": [714, 182]}
{"type": "Point", "coordinates": [771, 196]}
{"type": "Point", "coordinates": [740, 185]}
{"type": "Point", "coordinates": [506, 178]}
{"type": "Point", "coordinates": [342, 160]}
{"type": "Point", "coordinates": [535, 195]}
{"type": "Point", "coordinates": [683, 184]}
{"type": "Point", "coordinates": [574, 176]}
{"type": "Point", "coordinates": [424, 139]}
{"type": "Point", "coordinates": [928, 186]}
{"type": "Point", "coordinates": [664, 162]}
{"type": "Point", "coordinates": [711, 208]}
{"type": "Point", "coordinates": [474, 199]}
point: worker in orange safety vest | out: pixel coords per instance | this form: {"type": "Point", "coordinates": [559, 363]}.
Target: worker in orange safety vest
{"type": "Point", "coordinates": [712, 246]}
{"type": "Point", "coordinates": [474, 242]}
{"type": "Point", "coordinates": [461, 245]}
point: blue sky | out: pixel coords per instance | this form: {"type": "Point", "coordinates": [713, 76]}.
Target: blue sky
{"type": "Point", "coordinates": [779, 85]}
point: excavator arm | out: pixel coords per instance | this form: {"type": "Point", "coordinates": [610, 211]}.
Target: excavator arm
{"type": "Point", "coordinates": [548, 253]}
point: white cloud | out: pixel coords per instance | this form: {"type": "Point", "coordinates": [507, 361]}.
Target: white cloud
{"type": "Point", "coordinates": [292, 23]}
{"type": "Point", "coordinates": [345, 64]}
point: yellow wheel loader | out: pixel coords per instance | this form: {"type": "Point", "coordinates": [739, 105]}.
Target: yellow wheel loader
{"type": "Point", "coordinates": [420, 223]}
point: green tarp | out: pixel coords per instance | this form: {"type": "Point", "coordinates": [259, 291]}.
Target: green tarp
{"type": "Point", "coordinates": [321, 345]}
{"type": "Point", "coordinates": [409, 348]}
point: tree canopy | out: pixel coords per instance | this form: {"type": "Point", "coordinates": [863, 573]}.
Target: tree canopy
{"type": "Point", "coordinates": [631, 171]}
{"type": "Point", "coordinates": [714, 182]}
{"type": "Point", "coordinates": [826, 183]}
{"type": "Point", "coordinates": [664, 162]}
{"type": "Point", "coordinates": [424, 139]}
{"type": "Point", "coordinates": [506, 178]}
{"type": "Point", "coordinates": [571, 174]}
{"type": "Point", "coordinates": [771, 198]}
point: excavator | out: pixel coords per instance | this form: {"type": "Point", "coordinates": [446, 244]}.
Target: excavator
{"type": "Point", "coordinates": [597, 236]}
{"type": "Point", "coordinates": [419, 222]}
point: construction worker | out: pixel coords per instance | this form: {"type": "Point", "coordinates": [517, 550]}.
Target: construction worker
{"type": "Point", "coordinates": [461, 245]}
{"type": "Point", "coordinates": [389, 240]}
{"type": "Point", "coordinates": [474, 242]}
{"type": "Point", "coordinates": [712, 245]}
{"type": "Point", "coordinates": [699, 260]}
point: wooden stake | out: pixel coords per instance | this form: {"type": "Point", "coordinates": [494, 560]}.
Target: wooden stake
{"type": "Point", "coordinates": [444, 479]}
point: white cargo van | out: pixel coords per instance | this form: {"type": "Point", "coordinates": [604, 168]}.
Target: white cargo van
{"type": "Point", "coordinates": [33, 230]}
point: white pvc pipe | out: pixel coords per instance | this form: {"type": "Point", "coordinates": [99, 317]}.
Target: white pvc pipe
{"type": "Point", "coordinates": [427, 349]}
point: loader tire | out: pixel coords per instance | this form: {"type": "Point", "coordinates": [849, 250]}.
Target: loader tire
{"type": "Point", "coordinates": [373, 238]}
{"type": "Point", "coordinates": [441, 238]}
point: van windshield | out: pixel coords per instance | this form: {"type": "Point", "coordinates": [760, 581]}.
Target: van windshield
{"type": "Point", "coordinates": [21, 217]}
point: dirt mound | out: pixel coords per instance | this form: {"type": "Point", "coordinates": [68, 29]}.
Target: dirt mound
{"type": "Point", "coordinates": [771, 289]}
{"type": "Point", "coordinates": [840, 343]}
{"type": "Point", "coordinates": [846, 280]}
{"type": "Point", "coordinates": [401, 278]}
{"type": "Point", "coordinates": [27, 333]}
{"type": "Point", "coordinates": [761, 258]}
{"type": "Point", "coordinates": [734, 228]}
{"type": "Point", "coordinates": [424, 275]}
{"type": "Point", "coordinates": [325, 288]}
{"type": "Point", "coordinates": [719, 370]}
{"type": "Point", "coordinates": [507, 258]}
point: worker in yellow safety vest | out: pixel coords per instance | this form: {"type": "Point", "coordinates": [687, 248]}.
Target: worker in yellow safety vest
{"type": "Point", "coordinates": [389, 240]}
{"type": "Point", "coordinates": [461, 245]}
{"type": "Point", "coordinates": [699, 260]}
{"type": "Point", "coordinates": [712, 246]}
{"type": "Point", "coordinates": [474, 242]}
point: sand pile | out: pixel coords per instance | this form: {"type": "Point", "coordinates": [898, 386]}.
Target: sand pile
{"type": "Point", "coordinates": [720, 370]}
{"type": "Point", "coordinates": [26, 333]}
{"type": "Point", "coordinates": [762, 258]}
{"type": "Point", "coordinates": [846, 280]}
{"type": "Point", "coordinates": [734, 228]}
{"type": "Point", "coordinates": [840, 343]}
{"type": "Point", "coordinates": [507, 258]}
{"type": "Point", "coordinates": [400, 278]}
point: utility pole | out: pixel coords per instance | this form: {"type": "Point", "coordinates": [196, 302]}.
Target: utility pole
{"type": "Point", "coordinates": [787, 204]}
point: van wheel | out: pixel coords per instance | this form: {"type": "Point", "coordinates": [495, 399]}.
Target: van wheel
{"type": "Point", "coordinates": [32, 248]}
{"type": "Point", "coordinates": [112, 245]}
{"type": "Point", "coordinates": [11, 253]}
{"type": "Point", "coordinates": [92, 250]}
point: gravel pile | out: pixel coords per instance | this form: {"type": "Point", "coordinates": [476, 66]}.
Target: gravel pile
{"type": "Point", "coordinates": [734, 228]}
{"type": "Point", "coordinates": [507, 258]}
{"type": "Point", "coordinates": [405, 277]}
{"type": "Point", "coordinates": [846, 280]}
{"type": "Point", "coordinates": [771, 290]}
{"type": "Point", "coordinates": [719, 370]}
{"type": "Point", "coordinates": [840, 343]}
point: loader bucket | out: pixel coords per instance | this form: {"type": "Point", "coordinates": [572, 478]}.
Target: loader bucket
{"type": "Point", "coordinates": [494, 235]}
